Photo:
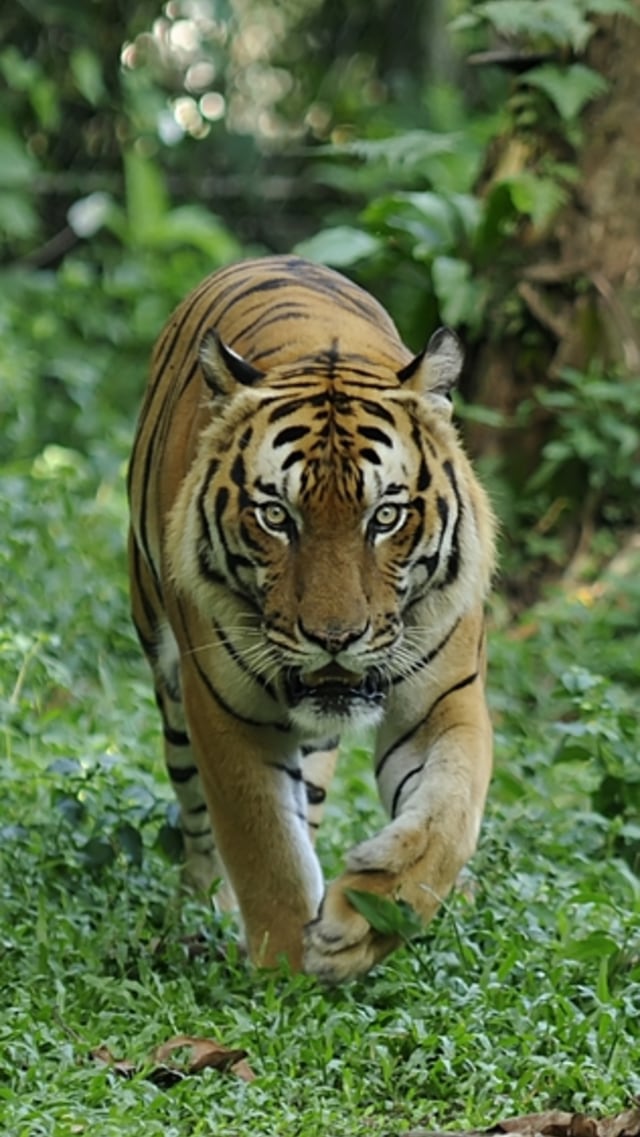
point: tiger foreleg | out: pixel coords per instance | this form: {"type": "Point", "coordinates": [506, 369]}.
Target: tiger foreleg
{"type": "Point", "coordinates": [417, 857]}
{"type": "Point", "coordinates": [202, 867]}
{"type": "Point", "coordinates": [257, 804]}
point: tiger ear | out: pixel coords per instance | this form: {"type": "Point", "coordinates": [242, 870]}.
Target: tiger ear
{"type": "Point", "coordinates": [434, 372]}
{"type": "Point", "coordinates": [223, 368]}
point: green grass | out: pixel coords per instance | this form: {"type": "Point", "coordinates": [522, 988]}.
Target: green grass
{"type": "Point", "coordinates": [524, 994]}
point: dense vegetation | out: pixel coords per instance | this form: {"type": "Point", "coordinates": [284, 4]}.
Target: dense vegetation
{"type": "Point", "coordinates": [136, 154]}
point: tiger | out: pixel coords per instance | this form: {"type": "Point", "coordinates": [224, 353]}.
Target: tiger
{"type": "Point", "coordinates": [310, 556]}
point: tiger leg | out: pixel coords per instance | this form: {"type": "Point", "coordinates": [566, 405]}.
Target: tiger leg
{"type": "Point", "coordinates": [258, 808]}
{"type": "Point", "coordinates": [318, 767]}
{"type": "Point", "coordinates": [443, 775]}
{"type": "Point", "coordinates": [202, 865]}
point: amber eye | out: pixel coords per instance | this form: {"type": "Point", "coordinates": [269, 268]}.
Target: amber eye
{"type": "Point", "coordinates": [387, 517]}
{"type": "Point", "coordinates": [273, 515]}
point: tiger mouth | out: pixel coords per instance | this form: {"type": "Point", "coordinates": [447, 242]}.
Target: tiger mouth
{"type": "Point", "coordinates": [333, 687]}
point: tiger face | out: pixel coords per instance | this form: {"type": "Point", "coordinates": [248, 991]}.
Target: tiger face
{"type": "Point", "coordinates": [334, 531]}
{"type": "Point", "coordinates": [310, 551]}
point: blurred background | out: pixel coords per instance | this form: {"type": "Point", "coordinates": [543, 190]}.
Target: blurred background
{"type": "Point", "coordinates": [470, 163]}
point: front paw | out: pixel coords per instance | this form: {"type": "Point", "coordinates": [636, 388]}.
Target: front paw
{"type": "Point", "coordinates": [340, 943]}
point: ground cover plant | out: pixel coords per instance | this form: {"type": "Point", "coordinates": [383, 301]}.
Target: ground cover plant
{"type": "Point", "coordinates": [525, 993]}
{"type": "Point", "coordinates": [442, 197]}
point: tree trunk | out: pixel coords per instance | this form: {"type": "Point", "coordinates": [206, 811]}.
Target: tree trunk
{"type": "Point", "coordinates": [580, 283]}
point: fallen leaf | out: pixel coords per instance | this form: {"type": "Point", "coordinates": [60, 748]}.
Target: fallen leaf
{"type": "Point", "coordinates": [121, 1066]}
{"type": "Point", "coordinates": [553, 1123]}
{"type": "Point", "coordinates": [243, 1070]}
{"type": "Point", "coordinates": [204, 1052]}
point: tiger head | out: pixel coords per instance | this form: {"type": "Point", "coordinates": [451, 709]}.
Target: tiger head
{"type": "Point", "coordinates": [338, 514]}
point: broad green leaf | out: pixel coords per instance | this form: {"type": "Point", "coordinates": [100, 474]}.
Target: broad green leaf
{"type": "Point", "coordinates": [87, 74]}
{"type": "Point", "coordinates": [560, 21]}
{"type": "Point", "coordinates": [407, 149]}
{"type": "Point", "coordinates": [17, 167]}
{"type": "Point", "coordinates": [537, 197]}
{"type": "Point", "coordinates": [130, 841]}
{"type": "Point", "coordinates": [388, 917]}
{"type": "Point", "coordinates": [147, 200]}
{"type": "Point", "coordinates": [18, 218]}
{"type": "Point", "coordinates": [597, 945]}
{"type": "Point", "coordinates": [568, 88]}
{"type": "Point", "coordinates": [341, 246]}
{"type": "Point", "coordinates": [460, 298]}
{"type": "Point", "coordinates": [98, 853]}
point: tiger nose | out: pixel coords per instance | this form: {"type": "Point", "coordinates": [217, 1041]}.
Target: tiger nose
{"type": "Point", "coordinates": [334, 638]}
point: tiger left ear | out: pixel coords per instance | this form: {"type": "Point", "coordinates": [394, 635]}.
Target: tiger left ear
{"type": "Point", "coordinates": [434, 372]}
{"type": "Point", "coordinates": [223, 368]}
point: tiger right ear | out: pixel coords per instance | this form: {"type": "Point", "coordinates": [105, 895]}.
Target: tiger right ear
{"type": "Point", "coordinates": [223, 368]}
{"type": "Point", "coordinates": [435, 371]}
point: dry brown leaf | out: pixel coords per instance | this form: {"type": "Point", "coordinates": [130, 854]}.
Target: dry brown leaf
{"type": "Point", "coordinates": [553, 1123]}
{"type": "Point", "coordinates": [121, 1066]}
{"type": "Point", "coordinates": [243, 1070]}
{"type": "Point", "coordinates": [206, 1052]}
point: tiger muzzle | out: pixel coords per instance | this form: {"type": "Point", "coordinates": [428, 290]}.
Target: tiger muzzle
{"type": "Point", "coordinates": [333, 689]}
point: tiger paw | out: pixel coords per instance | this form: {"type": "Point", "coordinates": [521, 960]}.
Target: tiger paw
{"type": "Point", "coordinates": [340, 943]}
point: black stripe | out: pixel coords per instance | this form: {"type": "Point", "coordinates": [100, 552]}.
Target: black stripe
{"type": "Point", "coordinates": [234, 561]}
{"type": "Point", "coordinates": [424, 476]}
{"type": "Point", "coordinates": [313, 748]}
{"type": "Point", "coordinates": [315, 794]}
{"type": "Point", "coordinates": [181, 774]}
{"type": "Point", "coordinates": [195, 832]}
{"type": "Point", "coordinates": [235, 655]}
{"type": "Point", "coordinates": [377, 411]}
{"type": "Point", "coordinates": [466, 682]}
{"type": "Point", "coordinates": [291, 459]}
{"type": "Point", "coordinates": [425, 660]}
{"type": "Point", "coordinates": [453, 563]}
{"type": "Point", "coordinates": [294, 772]}
{"type": "Point", "coordinates": [374, 434]}
{"type": "Point", "coordinates": [282, 310]}
{"type": "Point", "coordinates": [284, 728]}
{"type": "Point", "coordinates": [401, 784]}
{"type": "Point", "coordinates": [176, 737]}
{"type": "Point", "coordinates": [147, 645]}
{"type": "Point", "coordinates": [289, 434]}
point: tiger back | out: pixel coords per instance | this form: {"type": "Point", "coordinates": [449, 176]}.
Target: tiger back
{"type": "Point", "coordinates": [310, 551]}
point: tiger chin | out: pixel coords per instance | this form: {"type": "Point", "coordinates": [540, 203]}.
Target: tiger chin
{"type": "Point", "coordinates": [310, 551]}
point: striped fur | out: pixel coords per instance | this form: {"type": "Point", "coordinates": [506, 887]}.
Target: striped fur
{"type": "Point", "coordinates": [310, 552]}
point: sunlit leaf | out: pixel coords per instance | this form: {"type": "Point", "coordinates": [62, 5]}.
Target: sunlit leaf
{"type": "Point", "coordinates": [341, 246]}
{"type": "Point", "coordinates": [569, 88]}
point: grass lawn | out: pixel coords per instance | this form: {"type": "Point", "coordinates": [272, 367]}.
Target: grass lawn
{"type": "Point", "coordinates": [523, 995]}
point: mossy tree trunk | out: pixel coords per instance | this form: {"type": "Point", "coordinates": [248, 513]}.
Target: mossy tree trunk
{"type": "Point", "coordinates": [576, 283]}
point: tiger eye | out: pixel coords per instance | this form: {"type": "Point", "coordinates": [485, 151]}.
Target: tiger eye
{"type": "Point", "coordinates": [387, 515]}
{"type": "Point", "coordinates": [274, 515]}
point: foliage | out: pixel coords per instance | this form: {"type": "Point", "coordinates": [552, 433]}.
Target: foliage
{"type": "Point", "coordinates": [117, 193]}
{"type": "Point", "coordinates": [457, 230]}
{"type": "Point", "coordinates": [524, 994]}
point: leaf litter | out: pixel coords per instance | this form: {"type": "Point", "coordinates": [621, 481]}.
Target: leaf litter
{"type": "Point", "coordinates": [553, 1123]}
{"type": "Point", "coordinates": [163, 1070]}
